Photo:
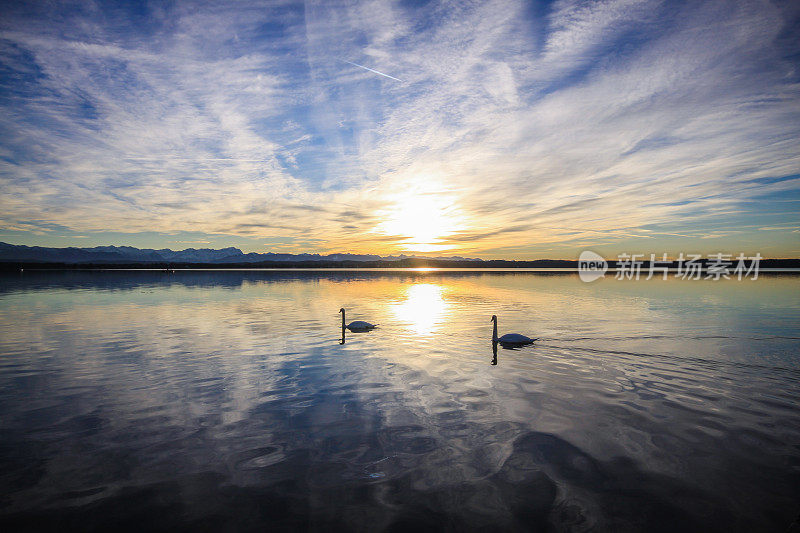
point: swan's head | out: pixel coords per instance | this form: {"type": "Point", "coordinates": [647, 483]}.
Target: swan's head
{"type": "Point", "coordinates": [493, 319]}
{"type": "Point", "coordinates": [341, 310]}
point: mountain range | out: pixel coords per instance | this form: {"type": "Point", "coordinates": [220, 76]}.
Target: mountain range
{"type": "Point", "coordinates": [129, 254]}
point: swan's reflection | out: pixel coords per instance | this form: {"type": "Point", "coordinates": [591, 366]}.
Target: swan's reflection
{"type": "Point", "coordinates": [495, 344]}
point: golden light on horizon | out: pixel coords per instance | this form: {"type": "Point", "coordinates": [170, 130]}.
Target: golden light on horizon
{"type": "Point", "coordinates": [425, 220]}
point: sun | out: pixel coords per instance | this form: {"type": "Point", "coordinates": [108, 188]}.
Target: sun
{"type": "Point", "coordinates": [423, 220]}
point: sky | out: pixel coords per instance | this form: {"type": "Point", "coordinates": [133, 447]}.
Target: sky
{"type": "Point", "coordinates": [493, 129]}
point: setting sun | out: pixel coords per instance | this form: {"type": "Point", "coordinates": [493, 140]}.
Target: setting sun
{"type": "Point", "coordinates": [423, 221]}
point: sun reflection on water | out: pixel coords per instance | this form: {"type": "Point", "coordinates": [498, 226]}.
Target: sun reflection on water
{"type": "Point", "coordinates": [424, 307]}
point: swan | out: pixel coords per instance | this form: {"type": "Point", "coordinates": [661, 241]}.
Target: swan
{"type": "Point", "coordinates": [509, 339]}
{"type": "Point", "coordinates": [357, 325]}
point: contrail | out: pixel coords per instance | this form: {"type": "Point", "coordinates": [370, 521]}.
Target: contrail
{"type": "Point", "coordinates": [371, 70]}
{"type": "Point", "coordinates": [159, 158]}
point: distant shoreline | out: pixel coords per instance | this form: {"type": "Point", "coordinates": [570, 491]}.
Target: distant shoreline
{"type": "Point", "coordinates": [543, 265]}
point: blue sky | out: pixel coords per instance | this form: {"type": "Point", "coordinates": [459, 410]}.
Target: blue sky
{"type": "Point", "coordinates": [501, 129]}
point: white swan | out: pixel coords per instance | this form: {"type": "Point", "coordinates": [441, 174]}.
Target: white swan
{"type": "Point", "coordinates": [510, 339]}
{"type": "Point", "coordinates": [356, 325]}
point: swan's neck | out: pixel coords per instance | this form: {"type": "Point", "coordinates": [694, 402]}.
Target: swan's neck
{"type": "Point", "coordinates": [494, 330]}
{"type": "Point", "coordinates": [342, 319]}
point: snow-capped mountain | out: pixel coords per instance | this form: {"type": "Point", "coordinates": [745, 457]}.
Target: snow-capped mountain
{"type": "Point", "coordinates": [129, 254]}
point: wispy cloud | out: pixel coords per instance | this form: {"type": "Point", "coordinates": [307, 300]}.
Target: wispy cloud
{"type": "Point", "coordinates": [521, 127]}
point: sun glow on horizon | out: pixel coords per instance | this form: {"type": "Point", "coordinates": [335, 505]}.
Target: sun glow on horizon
{"type": "Point", "coordinates": [423, 221]}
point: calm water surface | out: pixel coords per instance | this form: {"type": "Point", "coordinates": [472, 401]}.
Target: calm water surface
{"type": "Point", "coordinates": [227, 401]}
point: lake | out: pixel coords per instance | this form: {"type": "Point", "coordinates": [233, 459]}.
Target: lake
{"type": "Point", "coordinates": [228, 400]}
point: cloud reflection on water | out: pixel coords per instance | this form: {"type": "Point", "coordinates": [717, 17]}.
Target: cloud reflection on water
{"type": "Point", "coordinates": [679, 388]}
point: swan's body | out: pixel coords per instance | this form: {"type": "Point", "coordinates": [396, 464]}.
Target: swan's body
{"type": "Point", "coordinates": [510, 339]}
{"type": "Point", "coordinates": [359, 325]}
{"type": "Point", "coordinates": [356, 325]}
{"type": "Point", "coordinates": [514, 338]}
